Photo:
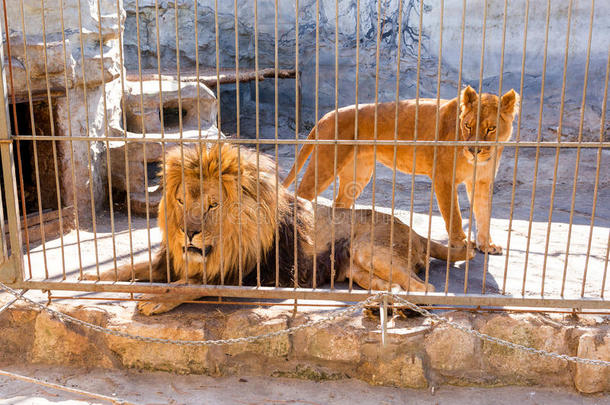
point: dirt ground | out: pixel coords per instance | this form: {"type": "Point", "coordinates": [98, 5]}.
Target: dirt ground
{"type": "Point", "coordinates": [164, 388]}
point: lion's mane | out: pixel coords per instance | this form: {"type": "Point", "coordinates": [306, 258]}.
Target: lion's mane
{"type": "Point", "coordinates": [261, 235]}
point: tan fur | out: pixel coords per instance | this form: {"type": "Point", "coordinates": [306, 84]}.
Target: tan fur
{"type": "Point", "coordinates": [350, 188]}
{"type": "Point", "coordinates": [197, 216]}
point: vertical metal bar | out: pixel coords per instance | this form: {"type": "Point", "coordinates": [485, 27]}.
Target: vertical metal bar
{"type": "Point", "coordinates": [605, 267]}
{"type": "Point", "coordinates": [258, 168]}
{"type": "Point", "coordinates": [239, 190]}
{"type": "Point", "coordinates": [219, 145]}
{"type": "Point", "coordinates": [107, 134]}
{"type": "Point", "coordinates": [415, 136]}
{"type": "Point", "coordinates": [436, 136]}
{"type": "Point", "coordinates": [12, 273]}
{"type": "Point", "coordinates": [277, 164]}
{"type": "Point", "coordinates": [455, 149]}
{"type": "Point", "coordinates": [375, 134]}
{"type": "Point", "coordinates": [18, 145]}
{"type": "Point", "coordinates": [496, 144]}
{"type": "Point", "coordinates": [332, 229]}
{"type": "Point", "coordinates": [181, 134]}
{"type": "Point", "coordinates": [578, 149]}
{"type": "Point", "coordinates": [201, 145]}
{"type": "Point", "coordinates": [73, 174]}
{"type": "Point", "coordinates": [529, 230]}
{"type": "Point", "coordinates": [144, 157]}
{"type": "Point", "coordinates": [597, 170]}
{"type": "Point", "coordinates": [53, 143]}
{"type": "Point", "coordinates": [34, 143]}
{"type": "Point", "coordinates": [314, 161]}
{"type": "Point", "coordinates": [517, 139]}
{"type": "Point", "coordinates": [351, 237]}
{"type": "Point", "coordinates": [476, 147]}
{"type": "Point", "coordinates": [296, 146]}
{"type": "Point", "coordinates": [89, 162]}
{"type": "Point", "coordinates": [395, 148]}
{"type": "Point", "coordinates": [557, 150]}
{"type": "Point", "coordinates": [126, 144]}
{"type": "Point", "coordinates": [163, 160]}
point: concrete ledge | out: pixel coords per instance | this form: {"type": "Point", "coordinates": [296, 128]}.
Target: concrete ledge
{"type": "Point", "coordinates": [418, 353]}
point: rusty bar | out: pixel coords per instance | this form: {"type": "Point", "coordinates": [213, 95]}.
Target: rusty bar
{"type": "Point", "coordinates": [14, 271]}
{"type": "Point", "coordinates": [307, 293]}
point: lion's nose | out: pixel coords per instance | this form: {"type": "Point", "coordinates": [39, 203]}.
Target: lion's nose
{"type": "Point", "coordinates": [191, 233]}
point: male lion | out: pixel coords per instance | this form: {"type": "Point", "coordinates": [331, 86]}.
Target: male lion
{"type": "Point", "coordinates": [350, 187]}
{"type": "Point", "coordinates": [207, 232]}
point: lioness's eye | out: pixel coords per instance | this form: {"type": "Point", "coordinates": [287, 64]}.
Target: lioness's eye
{"type": "Point", "coordinates": [213, 205]}
{"type": "Point", "coordinates": [467, 126]}
{"type": "Point", "coordinates": [491, 129]}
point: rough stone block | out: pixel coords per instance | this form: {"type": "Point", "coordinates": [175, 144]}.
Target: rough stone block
{"type": "Point", "coordinates": [516, 366]}
{"type": "Point", "coordinates": [159, 356]}
{"type": "Point", "coordinates": [58, 342]}
{"type": "Point", "coordinates": [247, 323]}
{"type": "Point", "coordinates": [404, 371]}
{"type": "Point", "coordinates": [335, 342]}
{"type": "Point", "coordinates": [451, 350]}
{"type": "Point", "coordinates": [590, 379]}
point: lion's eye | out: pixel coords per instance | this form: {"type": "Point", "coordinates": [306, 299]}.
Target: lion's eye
{"type": "Point", "coordinates": [467, 126]}
{"type": "Point", "coordinates": [213, 205]}
{"type": "Point", "coordinates": [180, 201]}
{"type": "Point", "coordinates": [491, 129]}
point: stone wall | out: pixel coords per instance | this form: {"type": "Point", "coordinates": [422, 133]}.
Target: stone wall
{"type": "Point", "coordinates": [391, 36]}
{"type": "Point", "coordinates": [96, 115]}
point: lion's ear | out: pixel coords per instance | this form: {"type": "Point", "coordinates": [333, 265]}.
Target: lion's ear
{"type": "Point", "coordinates": [510, 103]}
{"type": "Point", "coordinates": [467, 97]}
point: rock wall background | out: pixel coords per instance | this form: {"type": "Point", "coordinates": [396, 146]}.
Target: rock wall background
{"type": "Point", "coordinates": [393, 37]}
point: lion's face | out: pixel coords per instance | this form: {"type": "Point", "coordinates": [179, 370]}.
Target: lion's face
{"type": "Point", "coordinates": [197, 215]}
{"type": "Point", "coordinates": [491, 126]}
{"type": "Point", "coordinates": [219, 208]}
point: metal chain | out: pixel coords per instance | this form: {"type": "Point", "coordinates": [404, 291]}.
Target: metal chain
{"type": "Point", "coordinates": [333, 315]}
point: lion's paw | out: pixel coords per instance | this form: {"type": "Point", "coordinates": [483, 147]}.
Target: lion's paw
{"type": "Point", "coordinates": [490, 248]}
{"type": "Point", "coordinates": [149, 308]}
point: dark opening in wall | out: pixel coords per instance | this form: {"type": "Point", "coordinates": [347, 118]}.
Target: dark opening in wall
{"type": "Point", "coordinates": [27, 155]}
{"type": "Point", "coordinates": [171, 116]}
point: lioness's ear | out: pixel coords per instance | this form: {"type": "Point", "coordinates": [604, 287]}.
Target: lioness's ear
{"type": "Point", "coordinates": [510, 103]}
{"type": "Point", "coordinates": [467, 97]}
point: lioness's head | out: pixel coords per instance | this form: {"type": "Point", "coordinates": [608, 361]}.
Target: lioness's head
{"type": "Point", "coordinates": [490, 125]}
{"type": "Point", "coordinates": [210, 207]}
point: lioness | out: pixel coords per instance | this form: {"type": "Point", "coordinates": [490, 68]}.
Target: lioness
{"type": "Point", "coordinates": [216, 234]}
{"type": "Point", "coordinates": [350, 187]}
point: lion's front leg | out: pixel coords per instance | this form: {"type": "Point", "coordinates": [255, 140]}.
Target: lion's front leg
{"type": "Point", "coordinates": [482, 214]}
{"type": "Point", "coordinates": [446, 196]}
{"type": "Point", "coordinates": [155, 304]}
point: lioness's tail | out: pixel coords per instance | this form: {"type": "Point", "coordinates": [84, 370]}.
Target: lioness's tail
{"type": "Point", "coordinates": [440, 251]}
{"type": "Point", "coordinates": [300, 160]}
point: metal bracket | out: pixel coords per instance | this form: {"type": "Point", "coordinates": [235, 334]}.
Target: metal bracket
{"type": "Point", "coordinates": [383, 318]}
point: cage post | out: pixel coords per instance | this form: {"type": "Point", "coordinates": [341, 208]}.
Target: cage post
{"type": "Point", "coordinates": [11, 271]}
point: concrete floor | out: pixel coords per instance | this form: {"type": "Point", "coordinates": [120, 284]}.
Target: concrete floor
{"type": "Point", "coordinates": [165, 388]}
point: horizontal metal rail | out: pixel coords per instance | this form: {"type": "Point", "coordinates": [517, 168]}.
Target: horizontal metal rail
{"type": "Point", "coordinates": [380, 142]}
{"type": "Point", "coordinates": [175, 290]}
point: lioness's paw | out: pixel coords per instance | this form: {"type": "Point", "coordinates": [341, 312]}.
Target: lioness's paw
{"type": "Point", "coordinates": [459, 243]}
{"type": "Point", "coordinates": [155, 307]}
{"type": "Point", "coordinates": [490, 248]}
